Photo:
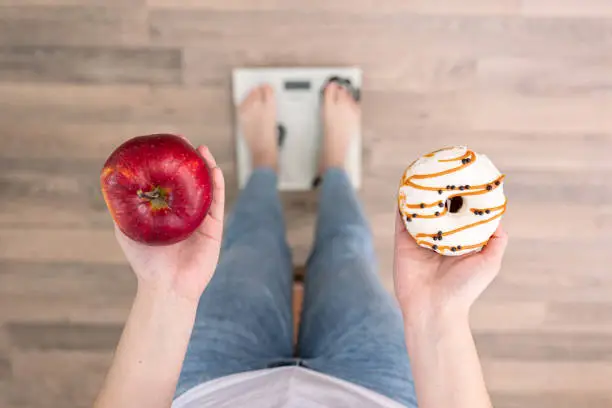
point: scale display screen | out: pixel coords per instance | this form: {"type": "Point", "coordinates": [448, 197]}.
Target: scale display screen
{"type": "Point", "coordinates": [297, 85]}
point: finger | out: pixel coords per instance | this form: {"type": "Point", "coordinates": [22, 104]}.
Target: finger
{"type": "Point", "coordinates": [403, 239]}
{"type": "Point", "coordinates": [207, 156]}
{"type": "Point", "coordinates": [496, 247]}
{"type": "Point", "coordinates": [185, 139]}
{"type": "Point", "coordinates": [126, 243]}
{"type": "Point", "coordinates": [217, 207]}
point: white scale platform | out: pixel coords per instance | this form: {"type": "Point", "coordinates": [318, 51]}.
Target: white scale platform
{"type": "Point", "coordinates": [298, 93]}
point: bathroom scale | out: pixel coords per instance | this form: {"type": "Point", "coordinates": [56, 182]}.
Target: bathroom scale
{"type": "Point", "coordinates": [299, 97]}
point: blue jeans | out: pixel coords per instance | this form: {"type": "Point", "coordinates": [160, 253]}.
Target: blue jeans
{"type": "Point", "coordinates": [351, 328]}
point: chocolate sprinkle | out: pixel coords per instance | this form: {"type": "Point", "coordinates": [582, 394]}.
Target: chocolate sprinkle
{"type": "Point", "coordinates": [414, 215]}
{"type": "Point", "coordinates": [408, 219]}
{"type": "Point", "coordinates": [434, 247]}
{"type": "Point", "coordinates": [453, 249]}
{"type": "Point", "coordinates": [435, 238]}
{"type": "Point", "coordinates": [459, 247]}
{"type": "Point", "coordinates": [439, 191]}
{"type": "Point", "coordinates": [467, 186]}
{"type": "Point", "coordinates": [461, 188]}
{"type": "Point", "coordinates": [422, 205]}
{"type": "Point", "coordinates": [489, 187]}
{"type": "Point", "coordinates": [452, 187]}
{"type": "Point", "coordinates": [437, 213]}
{"type": "Point", "coordinates": [497, 183]}
{"type": "Point", "coordinates": [488, 211]}
{"type": "Point", "coordinates": [440, 205]}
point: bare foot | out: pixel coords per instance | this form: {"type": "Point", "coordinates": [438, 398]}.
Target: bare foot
{"type": "Point", "coordinates": [257, 115]}
{"type": "Point", "coordinates": [341, 117]}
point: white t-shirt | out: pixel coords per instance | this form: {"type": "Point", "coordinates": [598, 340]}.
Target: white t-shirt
{"type": "Point", "coordinates": [282, 387]}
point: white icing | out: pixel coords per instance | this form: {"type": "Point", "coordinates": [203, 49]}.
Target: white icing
{"type": "Point", "coordinates": [480, 171]}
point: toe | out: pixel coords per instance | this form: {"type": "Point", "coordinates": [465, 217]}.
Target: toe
{"type": "Point", "coordinates": [343, 95]}
{"type": "Point", "coordinates": [331, 92]}
{"type": "Point", "coordinates": [346, 97]}
{"type": "Point", "coordinates": [253, 96]}
{"type": "Point", "coordinates": [267, 93]}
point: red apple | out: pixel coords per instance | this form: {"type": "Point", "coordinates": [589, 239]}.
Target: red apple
{"type": "Point", "coordinates": [158, 188]}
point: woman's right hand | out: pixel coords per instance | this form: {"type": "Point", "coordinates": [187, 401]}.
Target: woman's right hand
{"type": "Point", "coordinates": [429, 285]}
{"type": "Point", "coordinates": [183, 269]}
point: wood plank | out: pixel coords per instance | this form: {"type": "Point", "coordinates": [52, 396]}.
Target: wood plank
{"type": "Point", "coordinates": [518, 315]}
{"type": "Point", "coordinates": [163, 106]}
{"type": "Point", "coordinates": [588, 114]}
{"type": "Point", "coordinates": [70, 186]}
{"type": "Point", "coordinates": [57, 379]}
{"type": "Point", "coordinates": [65, 278]}
{"type": "Point", "coordinates": [546, 77]}
{"type": "Point", "coordinates": [64, 336]}
{"type": "Point", "coordinates": [73, 25]}
{"type": "Point", "coordinates": [64, 292]}
{"type": "Point", "coordinates": [60, 245]}
{"type": "Point", "coordinates": [450, 35]}
{"type": "Point", "coordinates": [418, 70]}
{"type": "Point", "coordinates": [575, 155]}
{"type": "Point", "coordinates": [552, 400]}
{"type": "Point", "coordinates": [102, 308]}
{"type": "Point", "coordinates": [469, 7]}
{"type": "Point", "coordinates": [542, 346]}
{"type": "Point", "coordinates": [106, 3]}
{"type": "Point", "coordinates": [548, 377]}
{"type": "Point", "coordinates": [90, 65]}
{"type": "Point", "coordinates": [5, 369]}
{"type": "Point", "coordinates": [581, 314]}
{"type": "Point", "coordinates": [566, 8]}
{"type": "Point", "coordinates": [68, 140]}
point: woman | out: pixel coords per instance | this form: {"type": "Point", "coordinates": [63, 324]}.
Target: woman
{"type": "Point", "coordinates": [232, 332]}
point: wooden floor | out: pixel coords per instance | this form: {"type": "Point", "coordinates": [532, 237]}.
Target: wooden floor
{"type": "Point", "coordinates": [528, 82]}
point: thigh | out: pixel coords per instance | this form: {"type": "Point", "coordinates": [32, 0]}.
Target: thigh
{"type": "Point", "coordinates": [351, 326]}
{"type": "Point", "coordinates": [244, 320]}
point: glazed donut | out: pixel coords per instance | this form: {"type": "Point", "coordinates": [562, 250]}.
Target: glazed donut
{"type": "Point", "coordinates": [452, 200]}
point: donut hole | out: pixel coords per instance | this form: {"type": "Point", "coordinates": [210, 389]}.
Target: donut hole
{"type": "Point", "coordinates": [454, 204]}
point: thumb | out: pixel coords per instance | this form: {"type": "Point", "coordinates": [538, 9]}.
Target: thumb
{"type": "Point", "coordinates": [212, 226]}
{"type": "Point", "coordinates": [402, 236]}
{"type": "Point", "coordinates": [404, 242]}
{"type": "Point", "coordinates": [494, 251]}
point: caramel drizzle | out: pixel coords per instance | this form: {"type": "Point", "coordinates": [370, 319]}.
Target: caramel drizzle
{"type": "Point", "coordinates": [499, 207]}
{"type": "Point", "coordinates": [445, 247]}
{"type": "Point", "coordinates": [478, 189]}
{"type": "Point", "coordinates": [440, 213]}
{"type": "Point", "coordinates": [432, 154]}
{"type": "Point", "coordinates": [472, 157]}
{"type": "Point", "coordinates": [424, 205]}
{"type": "Point", "coordinates": [465, 156]}
{"type": "Point", "coordinates": [456, 230]}
{"type": "Point", "coordinates": [493, 185]}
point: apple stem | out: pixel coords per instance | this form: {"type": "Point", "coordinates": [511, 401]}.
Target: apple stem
{"type": "Point", "coordinates": [150, 195]}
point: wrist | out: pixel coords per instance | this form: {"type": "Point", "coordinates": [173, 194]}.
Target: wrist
{"type": "Point", "coordinates": [435, 316]}
{"type": "Point", "coordinates": [165, 300]}
{"type": "Point", "coordinates": [437, 329]}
